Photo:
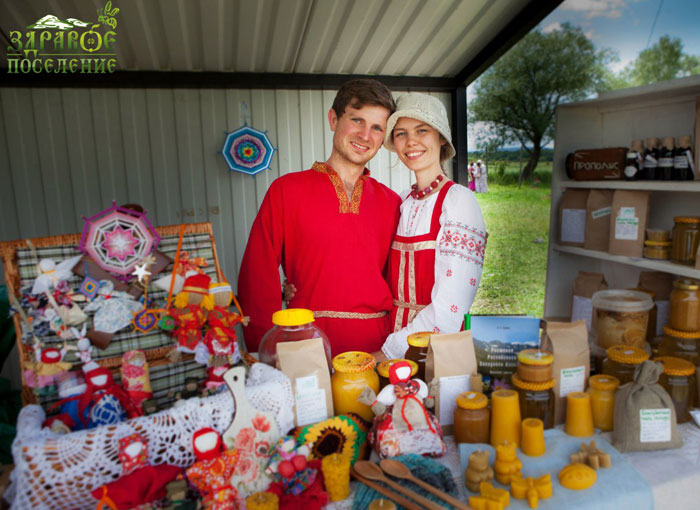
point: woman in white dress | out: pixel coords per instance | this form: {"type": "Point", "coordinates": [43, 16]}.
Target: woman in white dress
{"type": "Point", "coordinates": [481, 180]}
{"type": "Point", "coordinates": [438, 252]}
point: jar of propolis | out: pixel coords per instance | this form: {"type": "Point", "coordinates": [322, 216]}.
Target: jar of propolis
{"type": "Point", "coordinates": [383, 370]}
{"type": "Point", "coordinates": [601, 388]}
{"type": "Point", "coordinates": [685, 305]}
{"type": "Point", "coordinates": [418, 351]}
{"type": "Point", "coordinates": [678, 380]}
{"type": "Point", "coordinates": [536, 399]}
{"type": "Point", "coordinates": [535, 365]}
{"type": "Point", "coordinates": [685, 239]}
{"type": "Point", "coordinates": [622, 360]}
{"type": "Point", "coordinates": [472, 418]}
{"type": "Point", "coordinates": [354, 370]}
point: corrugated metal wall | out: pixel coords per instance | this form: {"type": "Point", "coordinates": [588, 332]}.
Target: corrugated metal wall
{"type": "Point", "coordinates": [67, 153]}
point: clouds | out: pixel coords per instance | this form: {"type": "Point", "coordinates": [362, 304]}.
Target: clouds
{"type": "Point", "coordinates": [597, 8]}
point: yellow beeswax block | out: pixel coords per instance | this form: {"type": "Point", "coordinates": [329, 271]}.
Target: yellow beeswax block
{"type": "Point", "coordinates": [577, 477]}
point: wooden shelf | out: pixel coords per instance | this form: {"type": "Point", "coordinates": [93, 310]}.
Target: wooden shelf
{"type": "Point", "coordinates": [677, 186]}
{"type": "Point", "coordinates": [655, 265]}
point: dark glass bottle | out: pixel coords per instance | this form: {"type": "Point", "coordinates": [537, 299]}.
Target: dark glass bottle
{"type": "Point", "coordinates": [683, 160]}
{"type": "Point", "coordinates": [635, 161]}
{"type": "Point", "coordinates": [664, 172]}
{"type": "Point", "coordinates": [651, 158]}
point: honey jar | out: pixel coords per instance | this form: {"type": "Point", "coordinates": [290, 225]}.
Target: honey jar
{"type": "Point", "coordinates": [536, 399]}
{"type": "Point", "coordinates": [659, 250]}
{"type": "Point", "coordinates": [535, 365]}
{"type": "Point", "coordinates": [684, 313]}
{"type": "Point", "coordinates": [472, 418]}
{"type": "Point", "coordinates": [678, 380]}
{"type": "Point", "coordinates": [418, 351]}
{"type": "Point", "coordinates": [685, 239]}
{"type": "Point", "coordinates": [602, 389]}
{"type": "Point", "coordinates": [622, 360]}
{"type": "Point", "coordinates": [681, 344]}
{"type": "Point", "coordinates": [383, 370]}
{"type": "Point", "coordinates": [353, 371]}
{"type": "Point", "coordinates": [290, 325]}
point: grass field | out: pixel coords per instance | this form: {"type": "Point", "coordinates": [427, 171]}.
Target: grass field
{"type": "Point", "coordinates": [517, 221]}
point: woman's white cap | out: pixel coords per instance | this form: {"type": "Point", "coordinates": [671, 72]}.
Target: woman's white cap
{"type": "Point", "coordinates": [425, 108]}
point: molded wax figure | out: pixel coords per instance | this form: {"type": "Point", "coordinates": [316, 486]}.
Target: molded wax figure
{"type": "Point", "coordinates": [331, 229]}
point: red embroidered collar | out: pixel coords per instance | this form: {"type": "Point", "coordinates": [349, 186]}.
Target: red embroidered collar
{"type": "Point", "coordinates": [345, 205]}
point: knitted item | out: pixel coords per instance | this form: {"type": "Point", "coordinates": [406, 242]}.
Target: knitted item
{"type": "Point", "coordinates": [426, 469]}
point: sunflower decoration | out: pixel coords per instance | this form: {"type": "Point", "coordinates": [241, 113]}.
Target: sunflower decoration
{"type": "Point", "coordinates": [345, 434]}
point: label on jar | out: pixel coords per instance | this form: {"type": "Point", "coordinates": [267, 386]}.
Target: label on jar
{"type": "Point", "coordinates": [310, 401]}
{"type": "Point", "coordinates": [571, 380]}
{"type": "Point", "coordinates": [573, 225]}
{"type": "Point", "coordinates": [449, 387]}
{"type": "Point", "coordinates": [654, 425]}
{"type": "Point", "coordinates": [599, 213]}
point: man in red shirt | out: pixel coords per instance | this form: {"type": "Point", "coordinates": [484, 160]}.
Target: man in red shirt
{"type": "Point", "coordinates": [331, 229]}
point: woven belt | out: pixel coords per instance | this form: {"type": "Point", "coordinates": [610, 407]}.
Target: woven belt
{"type": "Point", "coordinates": [347, 315]}
{"type": "Point", "coordinates": [410, 306]}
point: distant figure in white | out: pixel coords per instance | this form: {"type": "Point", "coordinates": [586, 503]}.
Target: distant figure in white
{"type": "Point", "coordinates": [480, 177]}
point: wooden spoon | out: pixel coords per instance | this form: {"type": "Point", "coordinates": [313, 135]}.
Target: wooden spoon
{"type": "Point", "coordinates": [388, 493]}
{"type": "Point", "coordinates": [372, 471]}
{"type": "Point", "coordinates": [400, 470]}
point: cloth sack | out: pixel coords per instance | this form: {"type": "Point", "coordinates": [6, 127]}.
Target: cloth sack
{"type": "Point", "coordinates": [645, 417]}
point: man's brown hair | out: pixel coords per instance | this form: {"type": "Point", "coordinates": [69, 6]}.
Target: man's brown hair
{"type": "Point", "coordinates": [362, 92]}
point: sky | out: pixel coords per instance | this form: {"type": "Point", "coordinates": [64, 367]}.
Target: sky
{"type": "Point", "coordinates": [626, 26]}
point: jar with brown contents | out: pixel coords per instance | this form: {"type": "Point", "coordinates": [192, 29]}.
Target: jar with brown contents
{"type": "Point", "coordinates": [678, 380]}
{"type": "Point", "coordinates": [535, 365]}
{"type": "Point", "coordinates": [684, 345]}
{"type": "Point", "coordinates": [418, 351]}
{"type": "Point", "coordinates": [536, 400]}
{"type": "Point", "coordinates": [622, 360]}
{"type": "Point", "coordinates": [685, 239]}
{"type": "Point", "coordinates": [472, 418]}
{"type": "Point", "coordinates": [383, 370]}
{"type": "Point", "coordinates": [685, 305]}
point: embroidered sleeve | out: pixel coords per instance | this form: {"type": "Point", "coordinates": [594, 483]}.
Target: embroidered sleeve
{"type": "Point", "coordinates": [458, 239]}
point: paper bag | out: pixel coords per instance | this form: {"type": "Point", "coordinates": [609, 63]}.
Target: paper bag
{"type": "Point", "coordinates": [305, 363]}
{"type": "Point", "coordinates": [450, 362]}
{"type": "Point", "coordinates": [572, 217]}
{"type": "Point", "coordinates": [585, 285]}
{"type": "Point", "coordinates": [598, 210]}
{"type": "Point", "coordinates": [568, 342]}
{"type": "Point", "coordinates": [630, 213]}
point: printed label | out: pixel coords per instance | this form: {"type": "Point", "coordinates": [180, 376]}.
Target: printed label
{"type": "Point", "coordinates": [680, 162]}
{"type": "Point", "coordinates": [626, 228]}
{"type": "Point", "coordinates": [654, 425]}
{"type": "Point", "coordinates": [605, 211]}
{"type": "Point", "coordinates": [626, 212]}
{"type": "Point", "coordinates": [571, 380]}
{"type": "Point", "coordinates": [573, 225]}
{"type": "Point", "coordinates": [450, 387]}
{"type": "Point", "coordinates": [310, 401]}
{"type": "Point", "coordinates": [666, 162]}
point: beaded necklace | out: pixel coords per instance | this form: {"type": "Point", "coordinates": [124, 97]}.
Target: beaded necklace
{"type": "Point", "coordinates": [415, 193]}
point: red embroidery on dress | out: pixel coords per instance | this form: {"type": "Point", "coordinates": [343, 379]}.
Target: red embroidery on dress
{"type": "Point", "coordinates": [436, 329]}
{"type": "Point", "coordinates": [449, 273]}
{"type": "Point", "coordinates": [460, 240]}
{"type": "Point", "coordinates": [454, 309]}
{"type": "Point", "coordinates": [472, 282]}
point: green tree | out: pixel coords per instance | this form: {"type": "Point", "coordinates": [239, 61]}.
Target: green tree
{"type": "Point", "coordinates": [516, 97]}
{"type": "Point", "coordinates": [663, 61]}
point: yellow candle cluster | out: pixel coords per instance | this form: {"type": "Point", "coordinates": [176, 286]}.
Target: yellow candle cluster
{"type": "Point", "coordinates": [262, 501]}
{"type": "Point", "coordinates": [336, 474]}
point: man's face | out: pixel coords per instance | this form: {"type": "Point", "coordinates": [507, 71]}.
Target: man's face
{"type": "Point", "coordinates": [358, 133]}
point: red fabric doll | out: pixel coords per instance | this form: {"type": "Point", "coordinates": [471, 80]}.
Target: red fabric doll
{"type": "Point", "coordinates": [220, 338]}
{"type": "Point", "coordinates": [190, 313]}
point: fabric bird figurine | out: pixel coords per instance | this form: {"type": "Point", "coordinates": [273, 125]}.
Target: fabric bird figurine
{"type": "Point", "coordinates": [51, 273]}
{"type": "Point", "coordinates": [190, 313]}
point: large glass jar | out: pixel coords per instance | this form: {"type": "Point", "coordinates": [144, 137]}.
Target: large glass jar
{"type": "Point", "coordinates": [622, 361]}
{"type": "Point", "coordinates": [535, 365]}
{"type": "Point", "coordinates": [685, 239]}
{"type": "Point", "coordinates": [290, 325]}
{"type": "Point", "coordinates": [536, 400]}
{"type": "Point", "coordinates": [472, 418]}
{"type": "Point", "coordinates": [354, 370]}
{"type": "Point", "coordinates": [383, 370]}
{"type": "Point", "coordinates": [685, 305]}
{"type": "Point", "coordinates": [678, 380]}
{"type": "Point", "coordinates": [620, 317]}
{"type": "Point", "coordinates": [681, 344]}
{"type": "Point", "coordinates": [653, 313]}
{"type": "Point", "coordinates": [602, 389]}
{"type": "Point", "coordinates": [418, 351]}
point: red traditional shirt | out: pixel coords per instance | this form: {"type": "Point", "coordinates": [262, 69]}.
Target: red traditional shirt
{"type": "Point", "coordinates": [333, 249]}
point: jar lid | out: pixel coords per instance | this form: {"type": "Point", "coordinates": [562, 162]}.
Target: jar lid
{"type": "Point", "coordinates": [533, 386]}
{"type": "Point", "coordinates": [661, 244]}
{"type": "Point", "coordinates": [686, 219]}
{"type": "Point", "coordinates": [535, 357]}
{"type": "Point", "coordinates": [676, 366]}
{"type": "Point", "coordinates": [292, 317]}
{"type": "Point", "coordinates": [353, 361]}
{"type": "Point", "coordinates": [604, 382]}
{"type": "Point", "coordinates": [472, 400]}
{"type": "Point", "coordinates": [681, 334]}
{"type": "Point", "coordinates": [420, 339]}
{"type": "Point", "coordinates": [384, 366]}
{"type": "Point", "coordinates": [616, 300]}
{"type": "Point", "coordinates": [687, 284]}
{"type": "Point", "coordinates": [627, 354]}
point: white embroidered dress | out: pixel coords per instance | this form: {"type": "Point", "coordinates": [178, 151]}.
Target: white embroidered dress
{"type": "Point", "coordinates": [459, 256]}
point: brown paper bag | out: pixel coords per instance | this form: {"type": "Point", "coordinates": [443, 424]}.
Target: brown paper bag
{"type": "Point", "coordinates": [585, 285]}
{"type": "Point", "coordinates": [645, 417]}
{"type": "Point", "coordinates": [569, 343]}
{"type": "Point", "coordinates": [630, 213]}
{"type": "Point", "coordinates": [449, 366]}
{"type": "Point", "coordinates": [661, 284]}
{"type": "Point", "coordinates": [305, 363]}
{"type": "Point", "coordinates": [572, 217]}
{"type": "Point", "coordinates": [598, 210]}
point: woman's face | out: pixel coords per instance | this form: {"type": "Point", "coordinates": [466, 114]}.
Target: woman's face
{"type": "Point", "coordinates": [418, 144]}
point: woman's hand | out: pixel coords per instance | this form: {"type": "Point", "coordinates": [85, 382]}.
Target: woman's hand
{"type": "Point", "coordinates": [379, 356]}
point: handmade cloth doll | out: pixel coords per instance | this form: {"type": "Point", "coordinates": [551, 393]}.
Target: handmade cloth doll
{"type": "Point", "coordinates": [289, 466]}
{"type": "Point", "coordinates": [70, 386]}
{"type": "Point", "coordinates": [190, 313]}
{"type": "Point", "coordinates": [106, 401]}
{"type": "Point", "coordinates": [220, 339]}
{"type": "Point", "coordinates": [51, 273]}
{"type": "Point", "coordinates": [406, 426]}
{"type": "Point", "coordinates": [114, 309]}
{"type": "Point", "coordinates": [48, 364]}
{"type": "Point", "coordinates": [215, 378]}
{"type": "Point", "coordinates": [211, 474]}
{"type": "Point", "coordinates": [135, 376]}
{"type": "Point", "coordinates": [133, 453]}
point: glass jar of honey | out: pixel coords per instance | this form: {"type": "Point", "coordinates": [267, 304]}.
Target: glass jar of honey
{"type": "Point", "coordinates": [536, 399]}
{"type": "Point", "coordinates": [681, 344]}
{"type": "Point", "coordinates": [601, 388]}
{"type": "Point", "coordinates": [354, 370]}
{"type": "Point", "coordinates": [685, 239]}
{"type": "Point", "coordinates": [535, 365]}
{"type": "Point", "coordinates": [678, 380]}
{"type": "Point", "coordinates": [472, 418]}
{"type": "Point", "coordinates": [383, 370]}
{"type": "Point", "coordinates": [418, 351]}
{"type": "Point", "coordinates": [684, 313]}
{"type": "Point", "coordinates": [622, 360]}
{"type": "Point", "coordinates": [659, 250]}
{"type": "Point", "coordinates": [653, 313]}
{"type": "Point", "coordinates": [290, 325]}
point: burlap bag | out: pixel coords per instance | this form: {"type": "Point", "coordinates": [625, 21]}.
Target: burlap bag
{"type": "Point", "coordinates": [636, 427]}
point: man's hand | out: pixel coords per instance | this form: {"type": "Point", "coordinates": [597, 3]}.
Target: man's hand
{"type": "Point", "coordinates": [289, 290]}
